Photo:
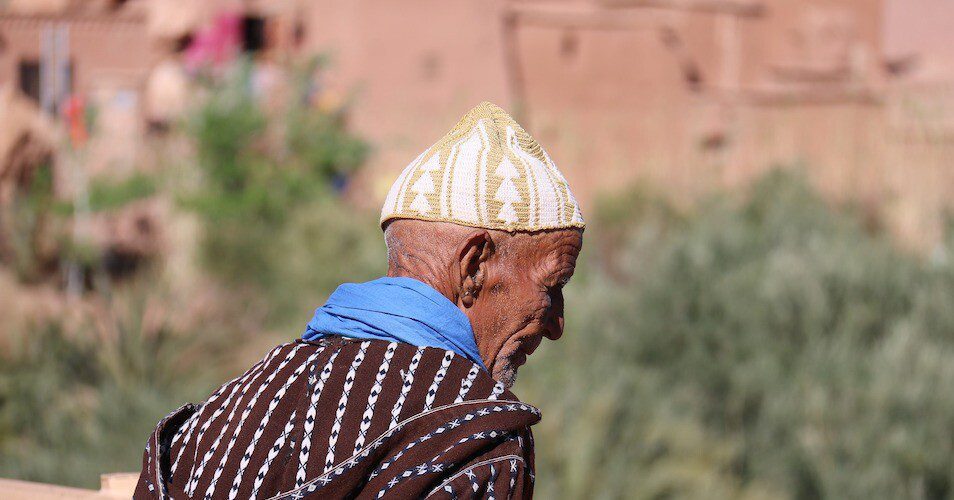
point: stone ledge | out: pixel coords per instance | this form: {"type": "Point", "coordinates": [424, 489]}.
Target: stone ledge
{"type": "Point", "coordinates": [118, 485]}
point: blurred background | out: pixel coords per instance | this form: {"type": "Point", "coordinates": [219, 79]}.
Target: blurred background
{"type": "Point", "coordinates": [765, 302]}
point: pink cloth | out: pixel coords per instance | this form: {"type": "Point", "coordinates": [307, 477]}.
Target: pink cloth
{"type": "Point", "coordinates": [216, 44]}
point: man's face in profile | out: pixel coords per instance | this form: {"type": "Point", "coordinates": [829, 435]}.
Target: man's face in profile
{"type": "Point", "coordinates": [521, 298]}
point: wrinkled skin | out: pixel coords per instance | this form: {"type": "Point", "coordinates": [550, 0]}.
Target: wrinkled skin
{"type": "Point", "coordinates": [508, 285]}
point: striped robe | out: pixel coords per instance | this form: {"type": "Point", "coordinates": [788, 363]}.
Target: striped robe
{"type": "Point", "coordinates": [347, 418]}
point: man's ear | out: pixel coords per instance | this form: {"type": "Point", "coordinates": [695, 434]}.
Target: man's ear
{"type": "Point", "coordinates": [472, 255]}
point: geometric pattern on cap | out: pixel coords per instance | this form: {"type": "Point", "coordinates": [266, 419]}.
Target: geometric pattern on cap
{"type": "Point", "coordinates": [487, 172]}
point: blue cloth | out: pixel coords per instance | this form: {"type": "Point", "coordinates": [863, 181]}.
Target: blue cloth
{"type": "Point", "coordinates": [396, 310]}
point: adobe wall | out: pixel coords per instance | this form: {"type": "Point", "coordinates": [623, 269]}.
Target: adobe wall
{"type": "Point", "coordinates": [690, 98]}
{"type": "Point", "coordinates": [413, 72]}
{"type": "Point", "coordinates": [669, 94]}
{"type": "Point", "coordinates": [690, 95]}
{"type": "Point", "coordinates": [112, 52]}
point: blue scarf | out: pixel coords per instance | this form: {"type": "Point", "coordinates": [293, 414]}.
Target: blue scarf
{"type": "Point", "coordinates": [395, 310]}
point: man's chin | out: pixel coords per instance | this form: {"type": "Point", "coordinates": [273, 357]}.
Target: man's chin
{"type": "Point", "coordinates": [506, 373]}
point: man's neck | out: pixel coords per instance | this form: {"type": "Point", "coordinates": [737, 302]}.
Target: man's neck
{"type": "Point", "coordinates": [425, 271]}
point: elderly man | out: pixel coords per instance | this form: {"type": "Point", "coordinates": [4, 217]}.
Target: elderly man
{"type": "Point", "coordinates": [399, 386]}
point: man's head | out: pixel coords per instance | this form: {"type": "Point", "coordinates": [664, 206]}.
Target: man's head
{"type": "Point", "coordinates": [486, 218]}
{"type": "Point", "coordinates": [508, 284]}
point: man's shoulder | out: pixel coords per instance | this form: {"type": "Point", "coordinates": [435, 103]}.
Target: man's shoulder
{"type": "Point", "coordinates": [393, 377]}
{"type": "Point", "coordinates": [452, 378]}
{"type": "Point", "coordinates": [427, 377]}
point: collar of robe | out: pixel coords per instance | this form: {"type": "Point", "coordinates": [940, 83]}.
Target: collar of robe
{"type": "Point", "coordinates": [395, 310]}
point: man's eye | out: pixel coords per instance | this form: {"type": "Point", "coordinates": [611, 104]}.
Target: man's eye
{"type": "Point", "coordinates": [558, 286]}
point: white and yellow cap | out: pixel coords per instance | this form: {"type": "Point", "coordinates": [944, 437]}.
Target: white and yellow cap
{"type": "Point", "coordinates": [487, 172]}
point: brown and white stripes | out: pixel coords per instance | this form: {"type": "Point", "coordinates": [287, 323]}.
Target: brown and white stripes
{"type": "Point", "coordinates": [347, 418]}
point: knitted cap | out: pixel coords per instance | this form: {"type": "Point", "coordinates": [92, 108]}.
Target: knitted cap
{"type": "Point", "coordinates": [487, 172]}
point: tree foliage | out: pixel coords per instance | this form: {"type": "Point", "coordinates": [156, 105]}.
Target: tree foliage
{"type": "Point", "coordinates": [769, 347]}
{"type": "Point", "coordinates": [260, 169]}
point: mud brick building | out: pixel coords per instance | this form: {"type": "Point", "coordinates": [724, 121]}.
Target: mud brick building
{"type": "Point", "coordinates": [689, 95]}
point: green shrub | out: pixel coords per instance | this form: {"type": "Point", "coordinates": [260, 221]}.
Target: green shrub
{"type": "Point", "coordinates": [764, 348]}
{"type": "Point", "coordinates": [80, 394]}
{"type": "Point", "coordinates": [260, 171]}
{"type": "Point", "coordinates": [31, 227]}
{"type": "Point", "coordinates": [324, 244]}
{"type": "Point", "coordinates": [108, 194]}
